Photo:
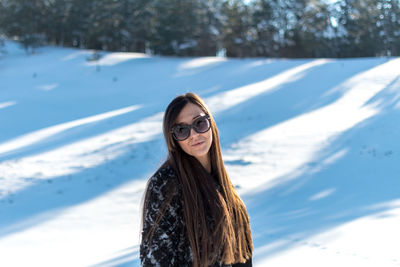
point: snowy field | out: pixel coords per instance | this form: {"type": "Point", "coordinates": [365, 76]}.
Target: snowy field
{"type": "Point", "coordinates": [312, 146]}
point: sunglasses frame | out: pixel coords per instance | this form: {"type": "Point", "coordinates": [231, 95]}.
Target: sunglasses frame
{"type": "Point", "coordinates": [191, 126]}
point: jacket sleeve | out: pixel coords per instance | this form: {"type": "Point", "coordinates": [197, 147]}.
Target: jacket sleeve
{"type": "Point", "coordinates": [164, 248]}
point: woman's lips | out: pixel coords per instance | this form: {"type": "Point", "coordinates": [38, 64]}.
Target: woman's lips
{"type": "Point", "coordinates": [198, 143]}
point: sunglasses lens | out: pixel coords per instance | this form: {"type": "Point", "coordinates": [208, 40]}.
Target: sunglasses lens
{"type": "Point", "coordinates": [181, 132]}
{"type": "Point", "coordinates": [201, 125]}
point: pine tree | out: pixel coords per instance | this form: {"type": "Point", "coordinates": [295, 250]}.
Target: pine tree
{"type": "Point", "coordinates": [207, 28]}
{"type": "Point", "coordinates": [359, 20]}
{"type": "Point", "coordinates": [54, 25]}
{"type": "Point", "coordinates": [24, 20]}
{"type": "Point", "coordinates": [267, 31]}
{"type": "Point", "coordinates": [184, 28]}
{"type": "Point", "coordinates": [135, 27]}
{"type": "Point", "coordinates": [389, 26]}
{"type": "Point", "coordinates": [237, 34]}
{"type": "Point", "coordinates": [76, 22]}
{"type": "Point", "coordinates": [171, 27]}
{"type": "Point", "coordinates": [310, 30]}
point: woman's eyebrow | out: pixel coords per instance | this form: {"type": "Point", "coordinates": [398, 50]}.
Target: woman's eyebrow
{"type": "Point", "coordinates": [197, 116]}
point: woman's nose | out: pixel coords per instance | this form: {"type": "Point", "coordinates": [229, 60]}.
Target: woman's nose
{"type": "Point", "coordinates": [193, 132]}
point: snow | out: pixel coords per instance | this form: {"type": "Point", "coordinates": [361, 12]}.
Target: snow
{"type": "Point", "coordinates": [311, 145]}
{"type": "Point", "coordinates": [116, 58]}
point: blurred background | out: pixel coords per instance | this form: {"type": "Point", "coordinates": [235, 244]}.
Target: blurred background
{"type": "Point", "coordinates": [235, 28]}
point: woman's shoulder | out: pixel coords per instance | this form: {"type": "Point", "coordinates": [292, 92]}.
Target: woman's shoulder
{"type": "Point", "coordinates": [165, 177]}
{"type": "Point", "coordinates": [165, 171]}
{"type": "Point", "coordinates": [164, 174]}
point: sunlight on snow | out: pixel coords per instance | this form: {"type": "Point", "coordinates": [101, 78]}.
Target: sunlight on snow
{"type": "Point", "coordinates": [74, 157]}
{"type": "Point", "coordinates": [322, 194]}
{"type": "Point", "coordinates": [116, 58]}
{"type": "Point", "coordinates": [48, 87]}
{"type": "Point", "coordinates": [191, 66]}
{"type": "Point", "coordinates": [91, 152]}
{"type": "Point", "coordinates": [7, 104]}
{"type": "Point", "coordinates": [258, 63]}
{"type": "Point", "coordinates": [43, 134]}
{"type": "Point", "coordinates": [328, 161]}
{"type": "Point", "coordinates": [119, 206]}
{"type": "Point", "coordinates": [352, 242]}
{"type": "Point", "coordinates": [284, 150]}
{"type": "Point", "coordinates": [83, 154]}
{"type": "Point", "coordinates": [236, 96]}
{"type": "Point", "coordinates": [200, 62]}
{"type": "Point", "coordinates": [77, 54]}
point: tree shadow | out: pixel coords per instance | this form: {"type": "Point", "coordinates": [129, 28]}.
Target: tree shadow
{"type": "Point", "coordinates": [83, 92]}
{"type": "Point", "coordinates": [354, 177]}
{"type": "Point", "coordinates": [46, 198]}
{"type": "Point", "coordinates": [289, 100]}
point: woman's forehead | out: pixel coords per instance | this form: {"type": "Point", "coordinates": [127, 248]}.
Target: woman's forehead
{"type": "Point", "coordinates": [189, 112]}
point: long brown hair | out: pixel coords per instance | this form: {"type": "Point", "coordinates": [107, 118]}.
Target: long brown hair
{"type": "Point", "coordinates": [229, 235]}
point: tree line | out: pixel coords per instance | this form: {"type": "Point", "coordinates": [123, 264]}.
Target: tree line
{"type": "Point", "coordinates": [235, 28]}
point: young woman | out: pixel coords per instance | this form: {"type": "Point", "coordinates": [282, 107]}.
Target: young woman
{"type": "Point", "coordinates": [192, 215]}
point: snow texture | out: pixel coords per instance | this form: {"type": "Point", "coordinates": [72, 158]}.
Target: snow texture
{"type": "Point", "coordinates": [312, 146]}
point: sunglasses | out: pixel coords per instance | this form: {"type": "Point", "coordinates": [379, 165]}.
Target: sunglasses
{"type": "Point", "coordinates": [182, 131]}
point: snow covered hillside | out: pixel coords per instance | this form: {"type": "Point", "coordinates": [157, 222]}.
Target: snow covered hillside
{"type": "Point", "coordinates": [312, 146]}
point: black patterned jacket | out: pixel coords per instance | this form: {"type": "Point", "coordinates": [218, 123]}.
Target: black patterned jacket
{"type": "Point", "coordinates": [170, 246]}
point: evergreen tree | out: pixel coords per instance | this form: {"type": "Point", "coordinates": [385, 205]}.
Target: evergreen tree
{"type": "Point", "coordinates": [267, 31]}
{"type": "Point", "coordinates": [359, 20]}
{"type": "Point", "coordinates": [55, 26]}
{"type": "Point", "coordinates": [309, 35]}
{"type": "Point", "coordinates": [184, 28]}
{"type": "Point", "coordinates": [273, 28]}
{"type": "Point", "coordinates": [237, 34]}
{"type": "Point", "coordinates": [135, 27]}
{"type": "Point", "coordinates": [207, 28]}
{"type": "Point", "coordinates": [24, 20]}
{"type": "Point", "coordinates": [389, 26]}
{"type": "Point", "coordinates": [79, 20]}
{"type": "Point", "coordinates": [172, 28]}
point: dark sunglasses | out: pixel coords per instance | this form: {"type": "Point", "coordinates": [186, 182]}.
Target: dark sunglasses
{"type": "Point", "coordinates": [182, 131]}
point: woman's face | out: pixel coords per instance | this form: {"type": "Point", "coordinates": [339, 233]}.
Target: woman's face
{"type": "Point", "coordinates": [197, 144]}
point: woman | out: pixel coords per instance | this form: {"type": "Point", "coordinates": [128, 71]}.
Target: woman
{"type": "Point", "coordinates": [192, 215]}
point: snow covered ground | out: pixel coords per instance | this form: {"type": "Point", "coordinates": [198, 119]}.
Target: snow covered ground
{"type": "Point", "coordinates": [312, 146]}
